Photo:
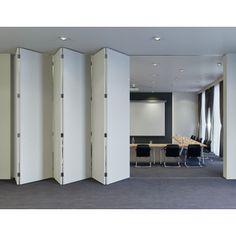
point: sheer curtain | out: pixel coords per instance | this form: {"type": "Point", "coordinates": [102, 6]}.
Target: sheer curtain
{"type": "Point", "coordinates": [221, 119]}
{"type": "Point", "coordinates": [209, 98]}
{"type": "Point", "coordinates": [203, 117]}
{"type": "Point", "coordinates": [216, 121]}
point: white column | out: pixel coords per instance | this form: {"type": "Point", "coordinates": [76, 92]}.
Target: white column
{"type": "Point", "coordinates": [229, 116]}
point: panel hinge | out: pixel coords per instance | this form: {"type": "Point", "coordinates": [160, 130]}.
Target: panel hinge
{"type": "Point", "coordinates": [18, 95]}
{"type": "Point", "coordinates": [91, 133]}
{"type": "Point", "coordinates": [105, 135]}
{"type": "Point", "coordinates": [18, 174]}
{"type": "Point", "coordinates": [62, 95]}
{"type": "Point", "coordinates": [62, 174]}
{"type": "Point", "coordinates": [18, 56]}
{"type": "Point", "coordinates": [62, 56]}
{"type": "Point", "coordinates": [105, 95]}
{"type": "Point", "coordinates": [91, 63]}
{"type": "Point", "coordinates": [52, 63]}
{"type": "Point", "coordinates": [105, 56]}
{"type": "Point", "coordinates": [105, 174]}
{"type": "Point", "coordinates": [62, 135]}
{"type": "Point", "coordinates": [18, 135]}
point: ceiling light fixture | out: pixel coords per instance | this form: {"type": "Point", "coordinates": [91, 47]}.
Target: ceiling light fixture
{"type": "Point", "coordinates": [157, 38]}
{"type": "Point", "coordinates": [154, 64]}
{"type": "Point", "coordinates": [63, 38]}
{"type": "Point", "coordinates": [219, 64]}
{"type": "Point", "coordinates": [181, 70]}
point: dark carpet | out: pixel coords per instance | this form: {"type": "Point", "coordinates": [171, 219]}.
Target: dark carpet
{"type": "Point", "coordinates": [155, 191]}
{"type": "Point", "coordinates": [213, 168]}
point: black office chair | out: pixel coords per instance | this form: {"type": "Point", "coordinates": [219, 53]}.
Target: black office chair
{"type": "Point", "coordinates": [207, 149]}
{"type": "Point", "coordinates": [193, 137]}
{"type": "Point", "coordinates": [199, 140]}
{"type": "Point", "coordinates": [193, 153]}
{"type": "Point", "coordinates": [143, 150]}
{"type": "Point", "coordinates": [172, 150]}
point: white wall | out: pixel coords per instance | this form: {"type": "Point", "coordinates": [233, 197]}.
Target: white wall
{"type": "Point", "coordinates": [5, 118]}
{"type": "Point", "coordinates": [184, 113]}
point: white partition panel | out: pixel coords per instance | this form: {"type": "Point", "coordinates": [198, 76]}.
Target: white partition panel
{"type": "Point", "coordinates": [77, 94]}
{"type": "Point", "coordinates": [57, 115]}
{"type": "Point", "coordinates": [5, 86]}
{"type": "Point", "coordinates": [33, 116]}
{"type": "Point", "coordinates": [97, 116]}
{"type": "Point", "coordinates": [118, 116]}
{"type": "Point", "coordinates": [72, 93]}
{"type": "Point", "coordinates": [110, 116]}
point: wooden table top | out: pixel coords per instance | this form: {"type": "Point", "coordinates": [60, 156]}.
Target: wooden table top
{"type": "Point", "coordinates": [182, 141]}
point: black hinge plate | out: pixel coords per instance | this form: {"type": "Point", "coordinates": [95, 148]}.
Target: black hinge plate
{"type": "Point", "coordinates": [62, 95]}
{"type": "Point", "coordinates": [18, 174]}
{"type": "Point", "coordinates": [106, 56]}
{"type": "Point", "coordinates": [62, 174]}
{"type": "Point", "coordinates": [62, 56]}
{"type": "Point", "coordinates": [18, 135]}
{"type": "Point", "coordinates": [62, 135]}
{"type": "Point", "coordinates": [105, 95]}
{"type": "Point", "coordinates": [18, 56]}
{"type": "Point", "coordinates": [105, 135]}
{"type": "Point", "coordinates": [18, 95]}
{"type": "Point", "coordinates": [105, 174]}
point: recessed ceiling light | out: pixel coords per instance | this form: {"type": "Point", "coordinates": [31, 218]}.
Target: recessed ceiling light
{"type": "Point", "coordinates": [133, 85]}
{"type": "Point", "coordinates": [154, 64]}
{"type": "Point", "coordinates": [63, 38]}
{"type": "Point", "coordinates": [181, 70]}
{"type": "Point", "coordinates": [219, 64]}
{"type": "Point", "coordinates": [156, 38]}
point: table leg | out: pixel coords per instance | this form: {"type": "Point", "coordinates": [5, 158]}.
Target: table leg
{"type": "Point", "coordinates": [202, 156]}
{"type": "Point", "coordinates": [154, 155]}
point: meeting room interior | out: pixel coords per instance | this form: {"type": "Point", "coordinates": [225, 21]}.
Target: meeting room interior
{"type": "Point", "coordinates": [107, 123]}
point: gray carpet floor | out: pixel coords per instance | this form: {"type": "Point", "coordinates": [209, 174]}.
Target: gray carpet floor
{"type": "Point", "coordinates": [169, 190]}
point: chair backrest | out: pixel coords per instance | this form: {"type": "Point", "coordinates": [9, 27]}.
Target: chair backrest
{"type": "Point", "coordinates": [199, 140]}
{"type": "Point", "coordinates": [143, 150]}
{"type": "Point", "coordinates": [194, 150]}
{"type": "Point", "coordinates": [193, 137]}
{"type": "Point", "coordinates": [208, 145]}
{"type": "Point", "coordinates": [172, 150]}
{"type": "Point", "coordinates": [205, 141]}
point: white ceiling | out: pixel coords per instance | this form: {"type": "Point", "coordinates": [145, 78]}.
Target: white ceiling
{"type": "Point", "coordinates": [178, 42]}
{"type": "Point", "coordinates": [199, 71]}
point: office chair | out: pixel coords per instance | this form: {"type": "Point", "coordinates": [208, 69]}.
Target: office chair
{"type": "Point", "coordinates": [208, 148]}
{"type": "Point", "coordinates": [199, 140]}
{"type": "Point", "coordinates": [172, 150]}
{"type": "Point", "coordinates": [193, 137]}
{"type": "Point", "coordinates": [193, 152]}
{"type": "Point", "coordinates": [143, 150]}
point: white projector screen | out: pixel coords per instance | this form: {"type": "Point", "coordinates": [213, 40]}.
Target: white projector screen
{"type": "Point", "coordinates": [147, 118]}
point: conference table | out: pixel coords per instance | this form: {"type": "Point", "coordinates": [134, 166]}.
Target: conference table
{"type": "Point", "coordinates": [182, 141]}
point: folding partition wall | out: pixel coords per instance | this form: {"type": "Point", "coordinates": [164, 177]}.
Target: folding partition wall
{"type": "Point", "coordinates": [5, 86]}
{"type": "Point", "coordinates": [72, 94]}
{"type": "Point", "coordinates": [110, 116]}
{"type": "Point", "coordinates": [33, 116]}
